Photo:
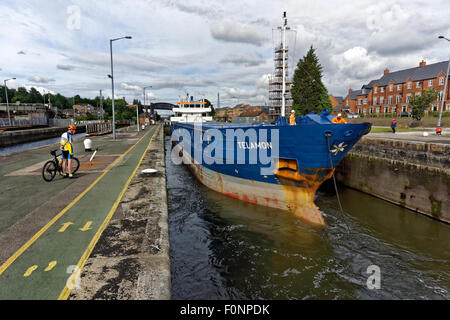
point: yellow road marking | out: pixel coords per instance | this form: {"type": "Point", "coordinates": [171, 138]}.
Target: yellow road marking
{"type": "Point", "coordinates": [22, 249]}
{"type": "Point", "coordinates": [51, 265]}
{"type": "Point", "coordinates": [67, 289]}
{"type": "Point", "coordinates": [87, 226]}
{"type": "Point", "coordinates": [30, 271]}
{"type": "Point", "coordinates": [65, 226]}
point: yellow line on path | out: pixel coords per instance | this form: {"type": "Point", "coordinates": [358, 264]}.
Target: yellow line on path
{"type": "Point", "coordinates": [77, 271]}
{"type": "Point", "coordinates": [22, 249]}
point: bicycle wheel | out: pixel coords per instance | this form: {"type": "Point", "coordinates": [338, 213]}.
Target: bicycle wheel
{"type": "Point", "coordinates": [49, 170]}
{"type": "Point", "coordinates": [75, 164]}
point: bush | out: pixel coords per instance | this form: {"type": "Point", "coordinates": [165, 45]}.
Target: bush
{"type": "Point", "coordinates": [415, 124]}
{"type": "Point", "coordinates": [436, 113]}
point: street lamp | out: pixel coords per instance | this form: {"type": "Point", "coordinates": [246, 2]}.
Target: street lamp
{"type": "Point", "coordinates": [445, 90]}
{"type": "Point", "coordinates": [144, 100]}
{"type": "Point", "coordinates": [7, 102]}
{"type": "Point", "coordinates": [112, 84]}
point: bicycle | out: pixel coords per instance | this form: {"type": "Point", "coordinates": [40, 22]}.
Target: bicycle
{"type": "Point", "coordinates": [51, 166]}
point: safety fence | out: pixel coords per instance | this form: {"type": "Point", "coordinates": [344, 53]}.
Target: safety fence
{"type": "Point", "coordinates": [98, 128]}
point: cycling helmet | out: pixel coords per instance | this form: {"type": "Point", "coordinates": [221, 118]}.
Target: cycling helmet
{"type": "Point", "coordinates": [72, 127]}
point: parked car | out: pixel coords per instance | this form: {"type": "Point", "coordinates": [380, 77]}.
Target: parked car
{"type": "Point", "coordinates": [352, 115]}
{"type": "Point", "coordinates": [405, 114]}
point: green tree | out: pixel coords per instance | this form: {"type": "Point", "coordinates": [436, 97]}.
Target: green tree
{"type": "Point", "coordinates": [21, 95]}
{"type": "Point", "coordinates": [419, 103]}
{"type": "Point", "coordinates": [35, 96]}
{"type": "Point", "coordinates": [210, 105]}
{"type": "Point", "coordinates": [308, 92]}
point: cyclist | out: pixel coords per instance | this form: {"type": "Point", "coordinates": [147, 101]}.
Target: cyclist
{"type": "Point", "coordinates": [67, 151]}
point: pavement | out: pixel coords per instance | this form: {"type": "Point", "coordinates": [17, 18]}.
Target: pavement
{"type": "Point", "coordinates": [49, 229]}
{"type": "Point", "coordinates": [417, 136]}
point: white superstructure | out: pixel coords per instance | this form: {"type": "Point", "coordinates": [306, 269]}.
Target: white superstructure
{"type": "Point", "coordinates": [191, 111]}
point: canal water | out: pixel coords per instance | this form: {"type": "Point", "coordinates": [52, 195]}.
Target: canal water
{"type": "Point", "coordinates": [223, 248]}
{"type": "Point", "coordinates": [35, 144]}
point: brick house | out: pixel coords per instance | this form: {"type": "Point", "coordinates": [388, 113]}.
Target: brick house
{"type": "Point", "coordinates": [392, 92]}
{"type": "Point", "coordinates": [336, 103]}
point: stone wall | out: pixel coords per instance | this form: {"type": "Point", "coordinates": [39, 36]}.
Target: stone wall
{"type": "Point", "coordinates": [415, 175]}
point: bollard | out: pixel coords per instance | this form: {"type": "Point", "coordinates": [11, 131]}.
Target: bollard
{"type": "Point", "coordinates": [87, 145]}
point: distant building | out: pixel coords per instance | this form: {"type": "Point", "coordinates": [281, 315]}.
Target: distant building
{"type": "Point", "coordinates": [81, 110]}
{"type": "Point", "coordinates": [336, 103]}
{"type": "Point", "coordinates": [242, 111]}
{"type": "Point", "coordinates": [393, 91]}
{"type": "Point", "coordinates": [68, 113]}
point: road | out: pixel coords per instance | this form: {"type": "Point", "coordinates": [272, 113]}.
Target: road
{"type": "Point", "coordinates": [48, 230]}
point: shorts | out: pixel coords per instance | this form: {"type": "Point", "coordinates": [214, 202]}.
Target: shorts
{"type": "Point", "coordinates": [66, 155]}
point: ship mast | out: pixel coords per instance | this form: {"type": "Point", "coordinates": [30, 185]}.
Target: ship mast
{"type": "Point", "coordinates": [283, 43]}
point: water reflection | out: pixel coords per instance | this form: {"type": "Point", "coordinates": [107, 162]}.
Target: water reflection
{"type": "Point", "coordinates": [222, 248]}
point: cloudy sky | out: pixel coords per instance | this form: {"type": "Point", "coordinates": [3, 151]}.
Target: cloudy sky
{"type": "Point", "coordinates": [205, 47]}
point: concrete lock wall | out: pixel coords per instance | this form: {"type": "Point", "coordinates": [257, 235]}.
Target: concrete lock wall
{"type": "Point", "coordinates": [415, 175]}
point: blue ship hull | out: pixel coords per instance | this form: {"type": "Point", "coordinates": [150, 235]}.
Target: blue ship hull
{"type": "Point", "coordinates": [280, 165]}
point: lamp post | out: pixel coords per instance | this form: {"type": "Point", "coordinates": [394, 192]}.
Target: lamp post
{"type": "Point", "coordinates": [445, 88]}
{"type": "Point", "coordinates": [112, 84]}
{"type": "Point", "coordinates": [7, 102]}
{"type": "Point", "coordinates": [144, 99]}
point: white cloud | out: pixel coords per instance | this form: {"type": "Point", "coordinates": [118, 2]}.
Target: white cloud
{"type": "Point", "coordinates": [232, 31]}
{"type": "Point", "coordinates": [213, 46]}
{"type": "Point", "coordinates": [128, 87]}
{"type": "Point", "coordinates": [39, 79]}
{"type": "Point", "coordinates": [66, 67]}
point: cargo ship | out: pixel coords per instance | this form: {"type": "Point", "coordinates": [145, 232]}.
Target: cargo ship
{"type": "Point", "coordinates": [276, 165]}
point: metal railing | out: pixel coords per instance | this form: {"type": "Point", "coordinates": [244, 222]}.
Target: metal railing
{"type": "Point", "coordinates": [98, 128]}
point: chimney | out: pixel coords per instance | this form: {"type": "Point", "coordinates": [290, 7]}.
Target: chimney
{"type": "Point", "coordinates": [386, 71]}
{"type": "Point", "coordinates": [422, 64]}
{"type": "Point", "coordinates": [350, 90]}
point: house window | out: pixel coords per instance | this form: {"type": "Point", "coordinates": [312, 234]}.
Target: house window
{"type": "Point", "coordinates": [398, 99]}
{"type": "Point", "coordinates": [365, 101]}
{"type": "Point", "coordinates": [371, 110]}
{"type": "Point", "coordinates": [430, 83]}
{"type": "Point", "coordinates": [390, 99]}
{"type": "Point", "coordinates": [382, 89]}
{"type": "Point", "coordinates": [440, 96]}
{"type": "Point", "coordinates": [360, 101]}
{"type": "Point", "coordinates": [409, 85]}
{"type": "Point", "coordinates": [408, 97]}
{"type": "Point", "coordinates": [391, 87]}
{"type": "Point", "coordinates": [374, 101]}
{"type": "Point", "coordinates": [441, 81]}
{"type": "Point", "coordinates": [359, 110]}
{"type": "Point", "coordinates": [399, 87]}
{"type": "Point", "coordinates": [375, 90]}
{"type": "Point", "coordinates": [381, 100]}
{"type": "Point", "coordinates": [346, 103]}
{"type": "Point", "coordinates": [417, 84]}
{"type": "Point", "coordinates": [377, 110]}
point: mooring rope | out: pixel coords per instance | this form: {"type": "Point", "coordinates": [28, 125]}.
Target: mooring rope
{"type": "Point", "coordinates": [327, 135]}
